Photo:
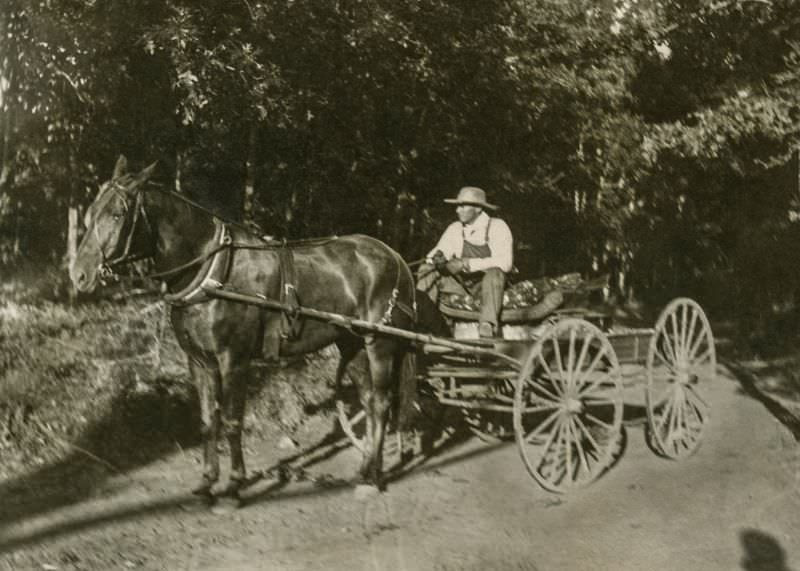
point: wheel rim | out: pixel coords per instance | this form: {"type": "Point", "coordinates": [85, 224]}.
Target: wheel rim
{"type": "Point", "coordinates": [681, 364]}
{"type": "Point", "coordinates": [353, 422]}
{"type": "Point", "coordinates": [568, 406]}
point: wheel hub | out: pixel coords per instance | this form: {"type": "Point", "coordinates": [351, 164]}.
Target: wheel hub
{"type": "Point", "coordinates": [573, 405]}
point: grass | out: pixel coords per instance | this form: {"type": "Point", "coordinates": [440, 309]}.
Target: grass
{"type": "Point", "coordinates": [109, 379]}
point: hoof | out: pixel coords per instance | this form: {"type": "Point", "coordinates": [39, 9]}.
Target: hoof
{"type": "Point", "coordinates": [201, 504]}
{"type": "Point", "coordinates": [226, 505]}
{"type": "Point", "coordinates": [230, 490]}
{"type": "Point", "coordinates": [203, 490]}
{"type": "Point", "coordinates": [365, 491]}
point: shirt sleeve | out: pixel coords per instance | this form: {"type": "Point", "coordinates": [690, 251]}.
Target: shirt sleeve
{"type": "Point", "coordinates": [501, 246]}
{"type": "Point", "coordinates": [450, 243]}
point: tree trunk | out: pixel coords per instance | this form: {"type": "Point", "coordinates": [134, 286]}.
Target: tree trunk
{"type": "Point", "coordinates": [178, 170]}
{"type": "Point", "coordinates": [8, 125]}
{"type": "Point", "coordinates": [72, 216]}
{"type": "Point", "coordinates": [72, 242]}
{"type": "Point", "coordinates": [250, 174]}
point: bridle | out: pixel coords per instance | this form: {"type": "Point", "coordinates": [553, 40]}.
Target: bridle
{"type": "Point", "coordinates": [108, 270]}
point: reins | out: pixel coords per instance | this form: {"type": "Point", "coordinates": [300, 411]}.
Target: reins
{"type": "Point", "coordinates": [108, 267]}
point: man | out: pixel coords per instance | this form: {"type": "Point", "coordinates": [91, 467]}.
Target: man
{"type": "Point", "coordinates": [473, 256]}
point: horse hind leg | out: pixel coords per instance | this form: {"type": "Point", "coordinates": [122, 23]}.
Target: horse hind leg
{"type": "Point", "coordinates": [375, 393]}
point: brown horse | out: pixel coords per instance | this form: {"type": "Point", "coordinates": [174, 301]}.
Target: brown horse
{"type": "Point", "coordinates": [355, 276]}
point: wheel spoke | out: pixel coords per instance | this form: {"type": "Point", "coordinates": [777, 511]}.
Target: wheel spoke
{"type": "Point", "coordinates": [538, 386]}
{"type": "Point", "coordinates": [669, 349]}
{"type": "Point", "coordinates": [665, 359]}
{"type": "Point", "coordinates": [670, 430]}
{"type": "Point", "coordinates": [593, 364]}
{"type": "Point", "coordinates": [706, 355]}
{"type": "Point", "coordinates": [584, 461]}
{"type": "Point", "coordinates": [567, 446]}
{"type": "Point", "coordinates": [587, 341]}
{"type": "Point", "coordinates": [690, 335]}
{"type": "Point", "coordinates": [684, 327]}
{"type": "Point", "coordinates": [696, 420]}
{"type": "Point", "coordinates": [696, 395]}
{"type": "Point", "coordinates": [590, 388]}
{"type": "Point", "coordinates": [541, 408]}
{"type": "Point", "coordinates": [551, 376]}
{"type": "Point", "coordinates": [559, 361]}
{"type": "Point", "coordinates": [675, 335]}
{"type": "Point", "coordinates": [698, 343]}
{"type": "Point", "coordinates": [556, 433]}
{"type": "Point", "coordinates": [571, 359]}
{"type": "Point", "coordinates": [599, 422]}
{"type": "Point", "coordinates": [662, 375]}
{"type": "Point", "coordinates": [665, 414]}
{"type": "Point", "coordinates": [543, 426]}
{"type": "Point", "coordinates": [599, 402]}
{"type": "Point", "coordinates": [588, 436]}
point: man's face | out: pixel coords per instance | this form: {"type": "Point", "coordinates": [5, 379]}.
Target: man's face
{"type": "Point", "coordinates": [467, 212]}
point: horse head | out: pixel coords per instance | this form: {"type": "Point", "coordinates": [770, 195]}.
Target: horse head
{"type": "Point", "coordinates": [117, 228]}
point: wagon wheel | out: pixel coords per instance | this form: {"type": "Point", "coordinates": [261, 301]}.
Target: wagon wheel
{"type": "Point", "coordinates": [681, 364]}
{"type": "Point", "coordinates": [493, 426]}
{"type": "Point", "coordinates": [568, 406]}
{"type": "Point", "coordinates": [352, 419]}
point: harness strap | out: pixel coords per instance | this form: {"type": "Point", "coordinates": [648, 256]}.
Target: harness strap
{"type": "Point", "coordinates": [394, 299]}
{"type": "Point", "coordinates": [215, 266]}
{"type": "Point", "coordinates": [290, 324]}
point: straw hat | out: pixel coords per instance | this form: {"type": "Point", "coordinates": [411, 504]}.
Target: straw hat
{"type": "Point", "coordinates": [471, 195]}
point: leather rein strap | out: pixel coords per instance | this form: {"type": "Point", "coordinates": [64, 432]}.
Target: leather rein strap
{"type": "Point", "coordinates": [217, 262]}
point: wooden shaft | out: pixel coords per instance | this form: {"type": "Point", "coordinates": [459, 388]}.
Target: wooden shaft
{"type": "Point", "coordinates": [352, 322]}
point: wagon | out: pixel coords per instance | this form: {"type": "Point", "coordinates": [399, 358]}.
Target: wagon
{"type": "Point", "coordinates": [565, 390]}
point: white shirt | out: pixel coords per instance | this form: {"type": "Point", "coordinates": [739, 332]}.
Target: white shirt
{"type": "Point", "coordinates": [501, 243]}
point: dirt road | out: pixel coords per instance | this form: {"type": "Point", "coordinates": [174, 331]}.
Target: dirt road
{"type": "Point", "coordinates": [734, 504]}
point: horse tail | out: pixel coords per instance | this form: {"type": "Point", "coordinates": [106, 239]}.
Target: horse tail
{"type": "Point", "coordinates": [429, 319]}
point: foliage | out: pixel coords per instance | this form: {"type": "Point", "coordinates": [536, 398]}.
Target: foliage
{"type": "Point", "coordinates": [651, 140]}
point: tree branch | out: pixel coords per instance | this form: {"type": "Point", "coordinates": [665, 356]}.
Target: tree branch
{"type": "Point", "coordinates": [72, 83]}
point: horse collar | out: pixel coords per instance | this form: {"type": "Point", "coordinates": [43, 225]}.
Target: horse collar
{"type": "Point", "coordinates": [213, 271]}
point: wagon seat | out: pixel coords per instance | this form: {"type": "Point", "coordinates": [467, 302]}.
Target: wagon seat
{"type": "Point", "coordinates": [528, 305]}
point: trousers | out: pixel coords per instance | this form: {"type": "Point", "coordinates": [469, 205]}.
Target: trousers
{"type": "Point", "coordinates": [487, 286]}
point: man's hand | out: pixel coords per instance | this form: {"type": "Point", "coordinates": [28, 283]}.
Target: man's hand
{"type": "Point", "coordinates": [439, 261]}
{"type": "Point", "coordinates": [454, 266]}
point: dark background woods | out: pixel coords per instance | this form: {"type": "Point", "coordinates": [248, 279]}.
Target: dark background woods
{"type": "Point", "coordinates": [653, 140]}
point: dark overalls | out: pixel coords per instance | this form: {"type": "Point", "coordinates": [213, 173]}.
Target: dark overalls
{"type": "Point", "coordinates": [488, 285]}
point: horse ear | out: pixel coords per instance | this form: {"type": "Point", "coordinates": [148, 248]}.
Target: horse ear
{"type": "Point", "coordinates": [146, 173]}
{"type": "Point", "coordinates": [120, 168]}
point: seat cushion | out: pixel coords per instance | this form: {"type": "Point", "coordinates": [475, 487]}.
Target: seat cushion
{"type": "Point", "coordinates": [523, 301]}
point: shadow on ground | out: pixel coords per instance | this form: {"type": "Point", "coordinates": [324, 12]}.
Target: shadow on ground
{"type": "Point", "coordinates": [263, 488]}
{"type": "Point", "coordinates": [153, 426]}
{"type": "Point", "coordinates": [779, 401]}
{"type": "Point", "coordinates": [138, 429]}
{"type": "Point", "coordinates": [762, 552]}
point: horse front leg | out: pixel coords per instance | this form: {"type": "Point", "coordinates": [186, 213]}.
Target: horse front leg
{"type": "Point", "coordinates": [206, 378]}
{"type": "Point", "coordinates": [235, 374]}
